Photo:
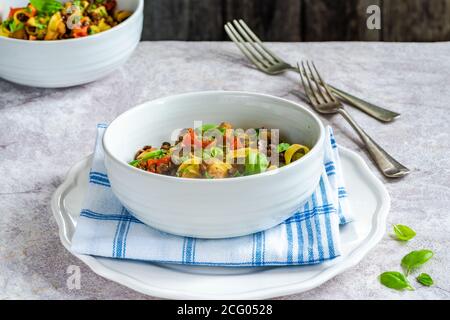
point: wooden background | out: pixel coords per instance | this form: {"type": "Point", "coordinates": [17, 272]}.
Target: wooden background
{"type": "Point", "coordinates": [298, 20]}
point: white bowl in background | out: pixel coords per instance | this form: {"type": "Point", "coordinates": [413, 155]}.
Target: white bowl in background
{"type": "Point", "coordinates": [70, 62]}
{"type": "Point", "coordinates": [209, 208]}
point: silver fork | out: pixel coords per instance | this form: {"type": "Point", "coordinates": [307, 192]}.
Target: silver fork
{"type": "Point", "coordinates": [324, 101]}
{"type": "Point", "coordinates": [268, 62]}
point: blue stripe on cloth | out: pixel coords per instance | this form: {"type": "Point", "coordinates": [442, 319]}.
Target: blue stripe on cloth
{"type": "Point", "coordinates": [330, 171]}
{"type": "Point", "coordinates": [342, 193]}
{"type": "Point", "coordinates": [189, 250]}
{"type": "Point", "coordinates": [302, 216]}
{"type": "Point", "coordinates": [96, 173]}
{"type": "Point", "coordinates": [327, 220]}
{"type": "Point", "coordinates": [300, 242]}
{"type": "Point", "coordinates": [263, 248]}
{"type": "Point", "coordinates": [306, 214]}
{"type": "Point", "coordinates": [332, 140]}
{"type": "Point", "coordinates": [125, 240]}
{"type": "Point", "coordinates": [342, 219]}
{"type": "Point", "coordinates": [253, 248]}
{"type": "Point", "coordinates": [122, 226]}
{"type": "Point", "coordinates": [290, 246]}
{"type": "Point", "coordinates": [258, 250]}
{"type": "Point", "coordinates": [95, 181]}
{"type": "Point", "coordinates": [116, 234]}
{"type": "Point", "coordinates": [101, 216]}
{"type": "Point", "coordinates": [183, 253]}
{"type": "Point", "coordinates": [194, 246]}
{"type": "Point", "coordinates": [330, 168]}
{"type": "Point", "coordinates": [99, 178]}
{"type": "Point", "coordinates": [318, 228]}
{"type": "Point", "coordinates": [310, 235]}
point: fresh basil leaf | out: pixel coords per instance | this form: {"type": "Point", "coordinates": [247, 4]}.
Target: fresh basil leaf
{"type": "Point", "coordinates": [282, 147]}
{"type": "Point", "coordinates": [47, 6]}
{"type": "Point", "coordinates": [255, 163]}
{"type": "Point", "coordinates": [403, 233]}
{"type": "Point", "coordinates": [395, 280]}
{"type": "Point", "coordinates": [153, 154]}
{"type": "Point", "coordinates": [156, 154]}
{"type": "Point", "coordinates": [216, 152]}
{"type": "Point", "coordinates": [425, 279]}
{"type": "Point", "coordinates": [207, 127]}
{"type": "Point", "coordinates": [415, 259]}
{"type": "Point", "coordinates": [213, 152]}
{"type": "Point", "coordinates": [13, 26]}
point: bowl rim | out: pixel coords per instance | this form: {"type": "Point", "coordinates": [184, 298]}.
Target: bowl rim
{"type": "Point", "coordinates": [133, 17]}
{"type": "Point", "coordinates": [313, 150]}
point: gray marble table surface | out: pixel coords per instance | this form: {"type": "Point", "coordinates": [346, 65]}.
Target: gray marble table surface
{"type": "Point", "coordinates": [43, 132]}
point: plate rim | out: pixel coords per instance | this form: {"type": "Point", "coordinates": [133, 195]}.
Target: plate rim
{"type": "Point", "coordinates": [353, 258]}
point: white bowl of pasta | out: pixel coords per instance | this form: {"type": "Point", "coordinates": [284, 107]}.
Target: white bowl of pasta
{"type": "Point", "coordinates": [209, 207]}
{"type": "Point", "coordinates": [55, 44]}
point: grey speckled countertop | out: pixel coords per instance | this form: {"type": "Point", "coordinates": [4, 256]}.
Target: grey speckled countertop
{"type": "Point", "coordinates": [43, 132]}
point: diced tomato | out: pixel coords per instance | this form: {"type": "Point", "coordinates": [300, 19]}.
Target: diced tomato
{"type": "Point", "coordinates": [12, 11]}
{"type": "Point", "coordinates": [80, 32]}
{"type": "Point", "coordinates": [190, 139]}
{"type": "Point", "coordinates": [157, 162]}
{"type": "Point", "coordinates": [206, 142]}
{"type": "Point", "coordinates": [237, 143]}
{"type": "Point", "coordinates": [187, 139]}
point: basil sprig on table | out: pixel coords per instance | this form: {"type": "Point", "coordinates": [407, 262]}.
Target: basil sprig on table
{"type": "Point", "coordinates": [398, 281]}
{"type": "Point", "coordinates": [46, 6]}
{"type": "Point", "coordinates": [425, 279]}
{"type": "Point", "coordinates": [415, 259]}
{"type": "Point", "coordinates": [403, 233]}
{"type": "Point", "coordinates": [395, 280]}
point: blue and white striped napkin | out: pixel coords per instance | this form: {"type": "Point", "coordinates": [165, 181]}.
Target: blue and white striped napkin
{"type": "Point", "coordinates": [105, 228]}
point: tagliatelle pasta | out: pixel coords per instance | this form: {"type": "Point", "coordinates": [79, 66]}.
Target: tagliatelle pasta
{"type": "Point", "coordinates": [53, 20]}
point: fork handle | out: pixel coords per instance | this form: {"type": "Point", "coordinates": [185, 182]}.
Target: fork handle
{"type": "Point", "coordinates": [377, 112]}
{"type": "Point", "coordinates": [369, 108]}
{"type": "Point", "coordinates": [387, 164]}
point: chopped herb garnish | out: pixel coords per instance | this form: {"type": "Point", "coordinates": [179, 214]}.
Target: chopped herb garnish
{"type": "Point", "coordinates": [13, 26]}
{"type": "Point", "coordinates": [282, 147]}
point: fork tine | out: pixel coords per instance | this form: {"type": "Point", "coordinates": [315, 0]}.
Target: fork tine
{"type": "Point", "coordinates": [249, 46]}
{"type": "Point", "coordinates": [308, 79]}
{"type": "Point", "coordinates": [308, 90]}
{"type": "Point", "coordinates": [236, 38]}
{"type": "Point", "coordinates": [253, 40]}
{"type": "Point", "coordinates": [323, 84]}
{"type": "Point", "coordinates": [316, 81]}
{"type": "Point", "coordinates": [257, 40]}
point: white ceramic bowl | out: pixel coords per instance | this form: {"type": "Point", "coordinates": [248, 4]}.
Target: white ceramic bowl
{"type": "Point", "coordinates": [208, 208]}
{"type": "Point", "coordinates": [65, 63]}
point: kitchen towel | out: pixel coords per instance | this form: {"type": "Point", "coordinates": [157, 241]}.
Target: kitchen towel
{"type": "Point", "coordinates": [105, 228]}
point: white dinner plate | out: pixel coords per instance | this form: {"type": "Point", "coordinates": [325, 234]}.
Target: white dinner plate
{"type": "Point", "coordinates": [368, 198]}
